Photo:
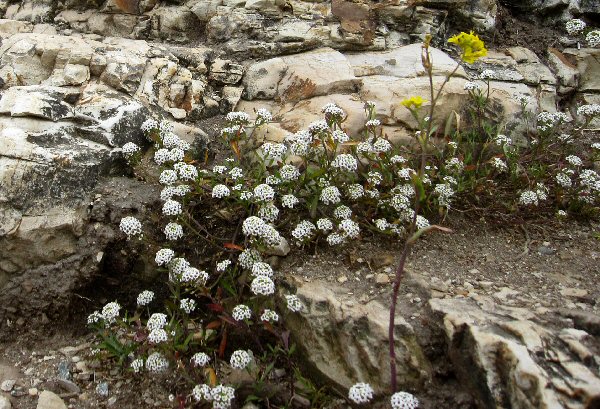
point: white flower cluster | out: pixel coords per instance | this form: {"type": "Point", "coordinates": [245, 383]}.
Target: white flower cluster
{"type": "Point", "coordinates": [173, 231]}
{"type": "Point", "coordinates": [330, 195]}
{"type": "Point", "coordinates": [168, 177]}
{"type": "Point", "coordinates": [269, 316]}
{"type": "Point", "coordinates": [454, 165]}
{"type": "Point", "coordinates": [145, 298]}
{"type": "Point", "coordinates": [528, 198]}
{"type": "Point", "coordinates": [110, 312]}
{"type": "Point", "coordinates": [263, 116]}
{"type": "Point", "coordinates": [289, 201]}
{"type": "Point", "coordinates": [318, 127]}
{"type": "Point", "coordinates": [222, 265]}
{"type": "Point", "coordinates": [575, 26]}
{"type": "Point", "coordinates": [194, 276]}
{"type": "Point", "coordinates": [164, 257]}
{"type": "Point", "coordinates": [262, 285]}
{"type": "Point", "coordinates": [593, 38]}
{"type": "Point", "coordinates": [293, 303]}
{"type": "Point", "coordinates": [137, 365]}
{"type": "Point", "coordinates": [589, 110]}
{"type": "Point", "coordinates": [238, 118]}
{"type": "Point", "coordinates": [360, 393]}
{"type": "Point", "coordinates": [303, 231]}
{"type": "Point", "coordinates": [444, 192]}
{"type": "Point", "coordinates": [248, 257]}
{"type": "Point", "coordinates": [502, 140]}
{"type": "Point", "coordinates": [200, 359]}
{"type": "Point", "coordinates": [240, 359]}
{"type": "Point", "coordinates": [157, 363]}
{"type": "Point", "coordinates": [130, 149]}
{"type": "Point", "coordinates": [404, 400]}
{"type": "Point", "coordinates": [355, 191]}
{"type": "Point", "coordinates": [264, 193]}
{"type": "Point", "coordinates": [268, 212]}
{"type": "Point", "coordinates": [289, 173]}
{"type": "Point", "coordinates": [345, 162]}
{"type": "Point", "coordinates": [324, 224]}
{"type": "Point", "coordinates": [131, 226]}
{"type": "Point", "coordinates": [372, 123]}
{"type": "Point", "coordinates": [262, 269]}
{"type": "Point", "coordinates": [220, 191]}
{"type": "Point", "coordinates": [382, 146]}
{"type": "Point", "coordinates": [274, 151]}
{"type": "Point", "coordinates": [574, 160]}
{"type": "Point", "coordinates": [342, 212]}
{"type": "Point", "coordinates": [334, 111]}
{"type": "Point", "coordinates": [340, 136]}
{"type": "Point", "coordinates": [564, 180]}
{"type": "Point", "coordinates": [156, 321]}
{"type": "Point", "coordinates": [188, 305]}
{"type": "Point", "coordinates": [241, 312]}
{"type": "Point", "coordinates": [171, 208]}
{"type": "Point", "coordinates": [499, 165]}
{"type": "Point", "coordinates": [547, 120]}
{"type": "Point", "coordinates": [257, 228]}
{"type": "Point", "coordinates": [149, 125]}
{"type": "Point", "coordinates": [157, 336]}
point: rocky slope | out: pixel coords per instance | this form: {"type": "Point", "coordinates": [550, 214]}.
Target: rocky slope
{"type": "Point", "coordinates": [78, 77]}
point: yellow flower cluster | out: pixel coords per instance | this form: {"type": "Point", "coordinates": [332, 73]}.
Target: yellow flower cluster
{"type": "Point", "coordinates": [470, 44]}
{"type": "Point", "coordinates": [413, 102]}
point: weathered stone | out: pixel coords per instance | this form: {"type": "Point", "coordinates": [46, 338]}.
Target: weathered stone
{"type": "Point", "coordinates": [320, 72]}
{"type": "Point", "coordinates": [588, 65]}
{"type": "Point", "coordinates": [36, 101]}
{"type": "Point", "coordinates": [262, 79]}
{"type": "Point", "coordinates": [402, 62]}
{"type": "Point", "coordinates": [565, 70]}
{"type": "Point", "coordinates": [226, 72]}
{"type": "Point", "coordinates": [5, 403]}
{"type": "Point", "coordinates": [10, 27]}
{"type": "Point", "coordinates": [359, 351]}
{"type": "Point", "coordinates": [49, 400]}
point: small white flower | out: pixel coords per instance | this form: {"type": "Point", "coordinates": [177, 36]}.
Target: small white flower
{"type": "Point", "coordinates": [382, 145]}
{"type": "Point", "coordinates": [240, 359]}
{"type": "Point", "coordinates": [157, 336]}
{"type": "Point", "coordinates": [220, 191]}
{"type": "Point", "coordinates": [487, 75]}
{"type": "Point", "coordinates": [268, 212]}
{"type": "Point", "coordinates": [157, 363]}
{"type": "Point", "coordinates": [528, 198]}
{"type": "Point", "coordinates": [262, 285]}
{"type": "Point", "coordinates": [264, 193]}
{"type": "Point", "coordinates": [262, 269]}
{"type": "Point", "coordinates": [404, 400]}
{"type": "Point", "coordinates": [188, 305]}
{"type": "Point", "coordinates": [236, 173]}
{"type": "Point", "coordinates": [188, 172]}
{"type": "Point", "coordinates": [499, 164]}
{"type": "Point", "coordinates": [289, 172]}
{"type": "Point", "coordinates": [202, 392]}
{"type": "Point", "coordinates": [161, 156]}
{"type": "Point", "coordinates": [148, 125]}
{"type": "Point", "coordinates": [293, 303]}
{"type": "Point", "coordinates": [168, 177]}
{"type": "Point", "coordinates": [156, 321]}
{"type": "Point", "coordinates": [173, 231]}
{"type": "Point", "coordinates": [593, 38]}
{"type": "Point", "coordinates": [130, 226]}
{"type": "Point", "coordinates": [330, 195]}
{"type": "Point", "coordinates": [334, 239]}
{"type": "Point", "coordinates": [289, 201]}
{"type": "Point", "coordinates": [248, 257]}
{"type": "Point", "coordinates": [563, 179]}
{"type": "Point", "coordinates": [200, 359]}
{"type": "Point", "coordinates": [303, 231]}
{"type": "Point", "coordinates": [422, 222]}
{"type": "Point", "coordinates": [345, 162]}
{"type": "Point", "coordinates": [137, 365]}
{"type": "Point", "coordinates": [263, 116]}
{"type": "Point", "coordinates": [222, 266]}
{"type": "Point", "coordinates": [360, 393]}
{"type": "Point", "coordinates": [171, 208]}
{"type": "Point", "coordinates": [110, 312]}
{"type": "Point", "coordinates": [176, 155]}
{"type": "Point", "coordinates": [471, 86]}
{"type": "Point", "coordinates": [575, 26]}
{"type": "Point", "coordinates": [145, 298]}
{"type": "Point", "coordinates": [130, 149]}
{"type": "Point", "coordinates": [194, 276]}
{"type": "Point", "coordinates": [340, 136]}
{"type": "Point", "coordinates": [381, 224]}
{"type": "Point", "coordinates": [240, 118]}
{"type": "Point", "coordinates": [324, 224]}
{"type": "Point", "coordinates": [372, 123]}
{"type": "Point", "coordinates": [574, 160]}
{"type": "Point", "coordinates": [502, 140]}
{"type": "Point", "coordinates": [269, 316]}
{"type": "Point", "coordinates": [350, 228]}
{"type": "Point", "coordinates": [355, 191]}
{"type": "Point", "coordinates": [94, 317]}
{"type": "Point", "coordinates": [342, 212]}
{"type": "Point", "coordinates": [241, 312]}
{"type": "Point", "coordinates": [222, 396]}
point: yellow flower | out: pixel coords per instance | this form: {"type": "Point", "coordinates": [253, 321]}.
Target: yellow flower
{"type": "Point", "coordinates": [413, 102]}
{"type": "Point", "coordinates": [470, 44]}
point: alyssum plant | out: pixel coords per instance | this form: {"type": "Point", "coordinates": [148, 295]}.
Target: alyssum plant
{"type": "Point", "coordinates": [312, 187]}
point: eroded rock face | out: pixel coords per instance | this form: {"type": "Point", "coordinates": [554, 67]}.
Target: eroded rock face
{"type": "Point", "coordinates": [346, 341]}
{"type": "Point", "coordinates": [515, 357]}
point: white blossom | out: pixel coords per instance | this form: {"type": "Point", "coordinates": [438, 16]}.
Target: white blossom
{"type": "Point", "coordinates": [360, 393]}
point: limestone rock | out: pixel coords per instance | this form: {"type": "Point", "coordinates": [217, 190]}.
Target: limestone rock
{"type": "Point", "coordinates": [262, 79]}
{"type": "Point", "coordinates": [226, 72]}
{"type": "Point", "coordinates": [588, 65]}
{"type": "Point", "coordinates": [402, 62]}
{"type": "Point", "coordinates": [566, 72]}
{"type": "Point", "coordinates": [320, 72]}
{"type": "Point", "coordinates": [36, 101]}
{"type": "Point", "coordinates": [502, 354]}
{"type": "Point", "coordinates": [359, 350]}
{"type": "Point", "coordinates": [49, 400]}
{"type": "Point", "coordinates": [5, 403]}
